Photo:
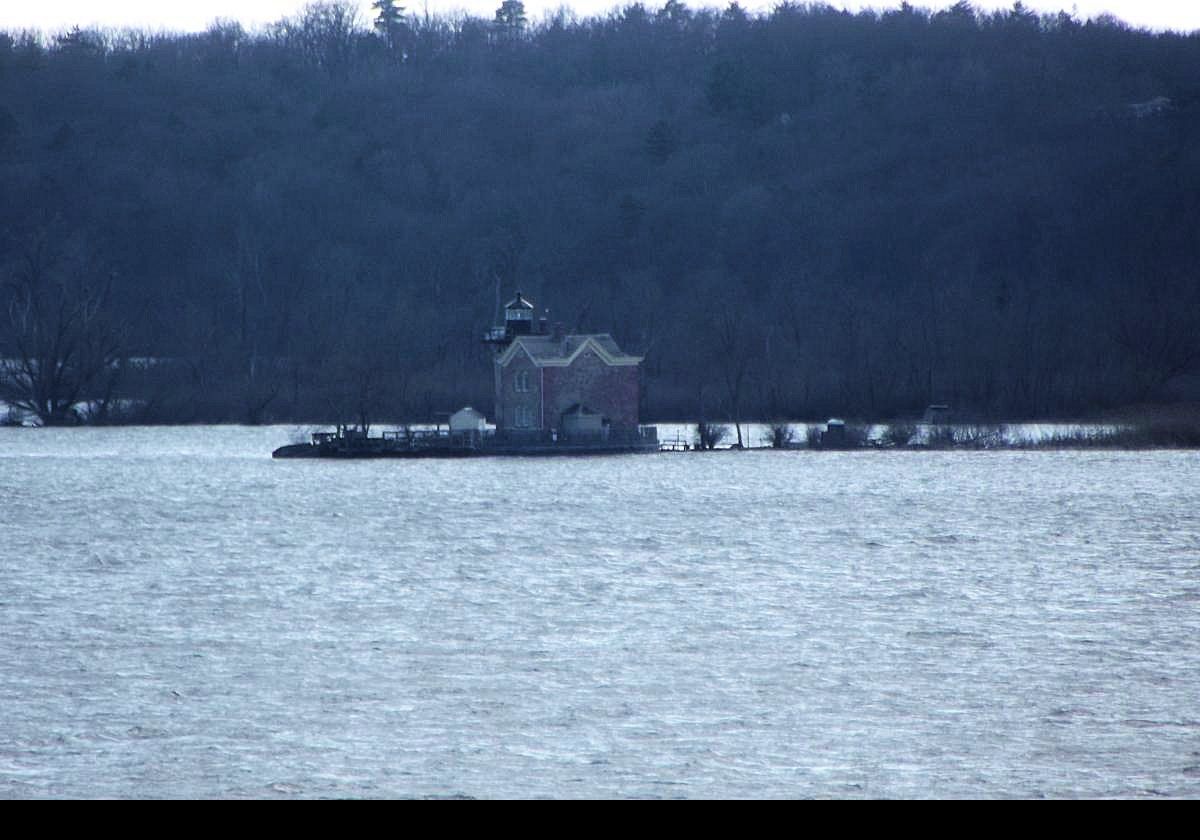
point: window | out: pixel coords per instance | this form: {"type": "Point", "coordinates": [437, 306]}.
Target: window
{"type": "Point", "coordinates": [524, 417]}
{"type": "Point", "coordinates": [521, 382]}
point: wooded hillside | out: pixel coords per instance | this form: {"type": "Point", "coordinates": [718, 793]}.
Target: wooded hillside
{"type": "Point", "coordinates": [796, 214]}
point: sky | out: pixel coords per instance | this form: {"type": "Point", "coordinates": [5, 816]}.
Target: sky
{"type": "Point", "coordinates": [1183, 15]}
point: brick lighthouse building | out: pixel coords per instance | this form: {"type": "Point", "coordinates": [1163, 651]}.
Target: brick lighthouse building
{"type": "Point", "coordinates": [550, 385]}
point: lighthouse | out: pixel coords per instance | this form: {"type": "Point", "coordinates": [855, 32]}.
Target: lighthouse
{"type": "Point", "coordinates": [518, 321]}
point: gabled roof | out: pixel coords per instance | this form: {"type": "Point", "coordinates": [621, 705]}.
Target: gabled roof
{"type": "Point", "coordinates": [547, 351]}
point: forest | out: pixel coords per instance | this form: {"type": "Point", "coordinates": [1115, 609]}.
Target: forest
{"type": "Point", "coordinates": [791, 214]}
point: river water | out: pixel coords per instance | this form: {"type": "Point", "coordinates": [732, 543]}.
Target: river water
{"type": "Point", "coordinates": [181, 616]}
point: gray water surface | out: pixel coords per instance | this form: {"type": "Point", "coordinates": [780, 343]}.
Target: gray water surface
{"type": "Point", "coordinates": [182, 616]}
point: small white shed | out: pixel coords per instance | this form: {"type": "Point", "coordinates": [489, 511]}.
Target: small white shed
{"type": "Point", "coordinates": [467, 420]}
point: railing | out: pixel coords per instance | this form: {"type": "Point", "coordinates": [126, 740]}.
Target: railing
{"type": "Point", "coordinates": [676, 444]}
{"type": "Point", "coordinates": [354, 440]}
{"type": "Point", "coordinates": [399, 440]}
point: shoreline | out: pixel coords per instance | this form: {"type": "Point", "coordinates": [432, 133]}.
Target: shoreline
{"type": "Point", "coordinates": [805, 437]}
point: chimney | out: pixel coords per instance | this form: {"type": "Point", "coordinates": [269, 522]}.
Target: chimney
{"type": "Point", "coordinates": [542, 325]}
{"type": "Point", "coordinates": [558, 330]}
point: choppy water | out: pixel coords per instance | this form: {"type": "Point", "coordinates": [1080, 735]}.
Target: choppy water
{"type": "Point", "coordinates": [182, 616]}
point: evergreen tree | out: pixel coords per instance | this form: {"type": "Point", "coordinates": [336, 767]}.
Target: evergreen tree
{"type": "Point", "coordinates": [511, 15]}
{"type": "Point", "coordinates": [674, 13]}
{"type": "Point", "coordinates": [389, 21]}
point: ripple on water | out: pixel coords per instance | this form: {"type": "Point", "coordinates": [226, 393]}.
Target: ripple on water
{"type": "Point", "coordinates": [182, 616]}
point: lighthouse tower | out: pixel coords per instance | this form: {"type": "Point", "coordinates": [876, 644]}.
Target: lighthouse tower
{"type": "Point", "coordinates": [518, 317]}
{"type": "Point", "coordinates": [518, 320]}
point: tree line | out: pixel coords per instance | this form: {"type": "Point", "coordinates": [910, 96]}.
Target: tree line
{"type": "Point", "coordinates": [792, 214]}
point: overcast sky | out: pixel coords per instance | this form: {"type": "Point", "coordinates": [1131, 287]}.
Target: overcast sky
{"type": "Point", "coordinates": [197, 14]}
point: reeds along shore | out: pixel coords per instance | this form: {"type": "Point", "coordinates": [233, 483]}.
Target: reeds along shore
{"type": "Point", "coordinates": [1160, 428]}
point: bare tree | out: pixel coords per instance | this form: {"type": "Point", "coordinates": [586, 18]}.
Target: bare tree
{"type": "Point", "coordinates": [782, 435]}
{"type": "Point", "coordinates": [734, 362]}
{"type": "Point", "coordinates": [326, 33]}
{"type": "Point", "coordinates": [59, 346]}
{"type": "Point", "coordinates": [366, 380]}
{"type": "Point", "coordinates": [709, 435]}
{"type": "Point", "coordinates": [1154, 323]}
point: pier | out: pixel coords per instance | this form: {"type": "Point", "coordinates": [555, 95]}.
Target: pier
{"type": "Point", "coordinates": [446, 443]}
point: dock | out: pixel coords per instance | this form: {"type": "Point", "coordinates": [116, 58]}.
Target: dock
{"type": "Point", "coordinates": [443, 443]}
